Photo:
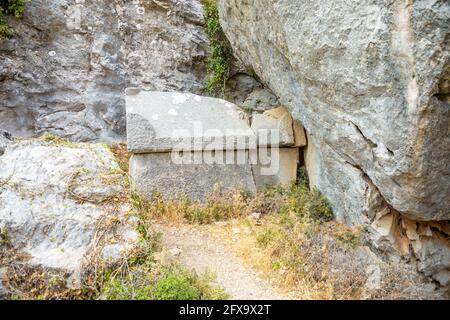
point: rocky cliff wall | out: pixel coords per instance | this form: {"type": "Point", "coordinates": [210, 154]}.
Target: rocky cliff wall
{"type": "Point", "coordinates": [65, 70]}
{"type": "Point", "coordinates": [369, 80]}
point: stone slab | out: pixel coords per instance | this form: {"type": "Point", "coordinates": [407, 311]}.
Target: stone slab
{"type": "Point", "coordinates": [166, 121]}
{"type": "Point", "coordinates": [158, 172]}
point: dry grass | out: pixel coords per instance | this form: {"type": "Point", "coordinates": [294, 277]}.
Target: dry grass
{"type": "Point", "coordinates": [296, 244]}
{"type": "Point", "coordinates": [121, 154]}
{"type": "Point", "coordinates": [218, 208]}
{"type": "Point", "coordinates": [57, 140]}
{"type": "Point", "coordinates": [136, 276]}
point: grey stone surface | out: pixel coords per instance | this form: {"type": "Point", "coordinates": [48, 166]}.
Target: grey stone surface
{"type": "Point", "coordinates": [260, 99]}
{"type": "Point", "coordinates": [66, 69]}
{"type": "Point", "coordinates": [369, 82]}
{"type": "Point", "coordinates": [44, 215]}
{"type": "Point", "coordinates": [299, 134]}
{"type": "Point", "coordinates": [240, 86]}
{"type": "Point", "coordinates": [115, 252]}
{"type": "Point", "coordinates": [248, 93]}
{"type": "Point", "coordinates": [278, 119]}
{"type": "Point", "coordinates": [156, 172]}
{"type": "Point", "coordinates": [287, 169]}
{"type": "Point", "coordinates": [163, 121]}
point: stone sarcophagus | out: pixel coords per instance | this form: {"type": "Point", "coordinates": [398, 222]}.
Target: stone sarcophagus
{"type": "Point", "coordinates": [187, 145]}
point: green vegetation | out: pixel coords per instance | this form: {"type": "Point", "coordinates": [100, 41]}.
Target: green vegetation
{"type": "Point", "coordinates": [221, 55]}
{"type": "Point", "coordinates": [9, 7]}
{"type": "Point", "coordinates": [169, 283]}
{"type": "Point", "coordinates": [142, 277]}
{"type": "Point", "coordinates": [310, 252]}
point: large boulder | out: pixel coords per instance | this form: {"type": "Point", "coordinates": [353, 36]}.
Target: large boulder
{"type": "Point", "coordinates": [55, 200]}
{"type": "Point", "coordinates": [65, 70]}
{"type": "Point", "coordinates": [369, 80]}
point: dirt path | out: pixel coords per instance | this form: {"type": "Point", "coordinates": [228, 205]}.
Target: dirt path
{"type": "Point", "coordinates": [196, 250]}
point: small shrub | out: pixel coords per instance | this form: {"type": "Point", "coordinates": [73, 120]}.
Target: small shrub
{"type": "Point", "coordinates": [198, 216]}
{"type": "Point", "coordinates": [266, 237]}
{"type": "Point", "coordinates": [298, 202]}
{"type": "Point", "coordinates": [302, 177]}
{"type": "Point", "coordinates": [221, 55]}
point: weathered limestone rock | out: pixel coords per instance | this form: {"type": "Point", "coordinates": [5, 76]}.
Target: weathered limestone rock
{"type": "Point", "coordinates": [164, 121]}
{"type": "Point", "coordinates": [427, 242]}
{"type": "Point", "coordinates": [299, 134]}
{"type": "Point", "coordinates": [50, 194]}
{"type": "Point", "coordinates": [260, 99]}
{"type": "Point", "coordinates": [195, 177]}
{"type": "Point", "coordinates": [276, 119]}
{"type": "Point", "coordinates": [285, 173]}
{"type": "Point", "coordinates": [67, 68]}
{"type": "Point", "coordinates": [5, 139]}
{"type": "Point", "coordinates": [248, 93]}
{"type": "Point", "coordinates": [369, 79]}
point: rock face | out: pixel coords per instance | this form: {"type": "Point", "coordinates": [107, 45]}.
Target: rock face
{"type": "Point", "coordinates": [278, 119]}
{"type": "Point", "coordinates": [66, 69]}
{"type": "Point", "coordinates": [52, 210]}
{"type": "Point", "coordinates": [248, 93]}
{"type": "Point", "coordinates": [188, 145]}
{"type": "Point", "coordinates": [5, 139]}
{"type": "Point", "coordinates": [369, 80]}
